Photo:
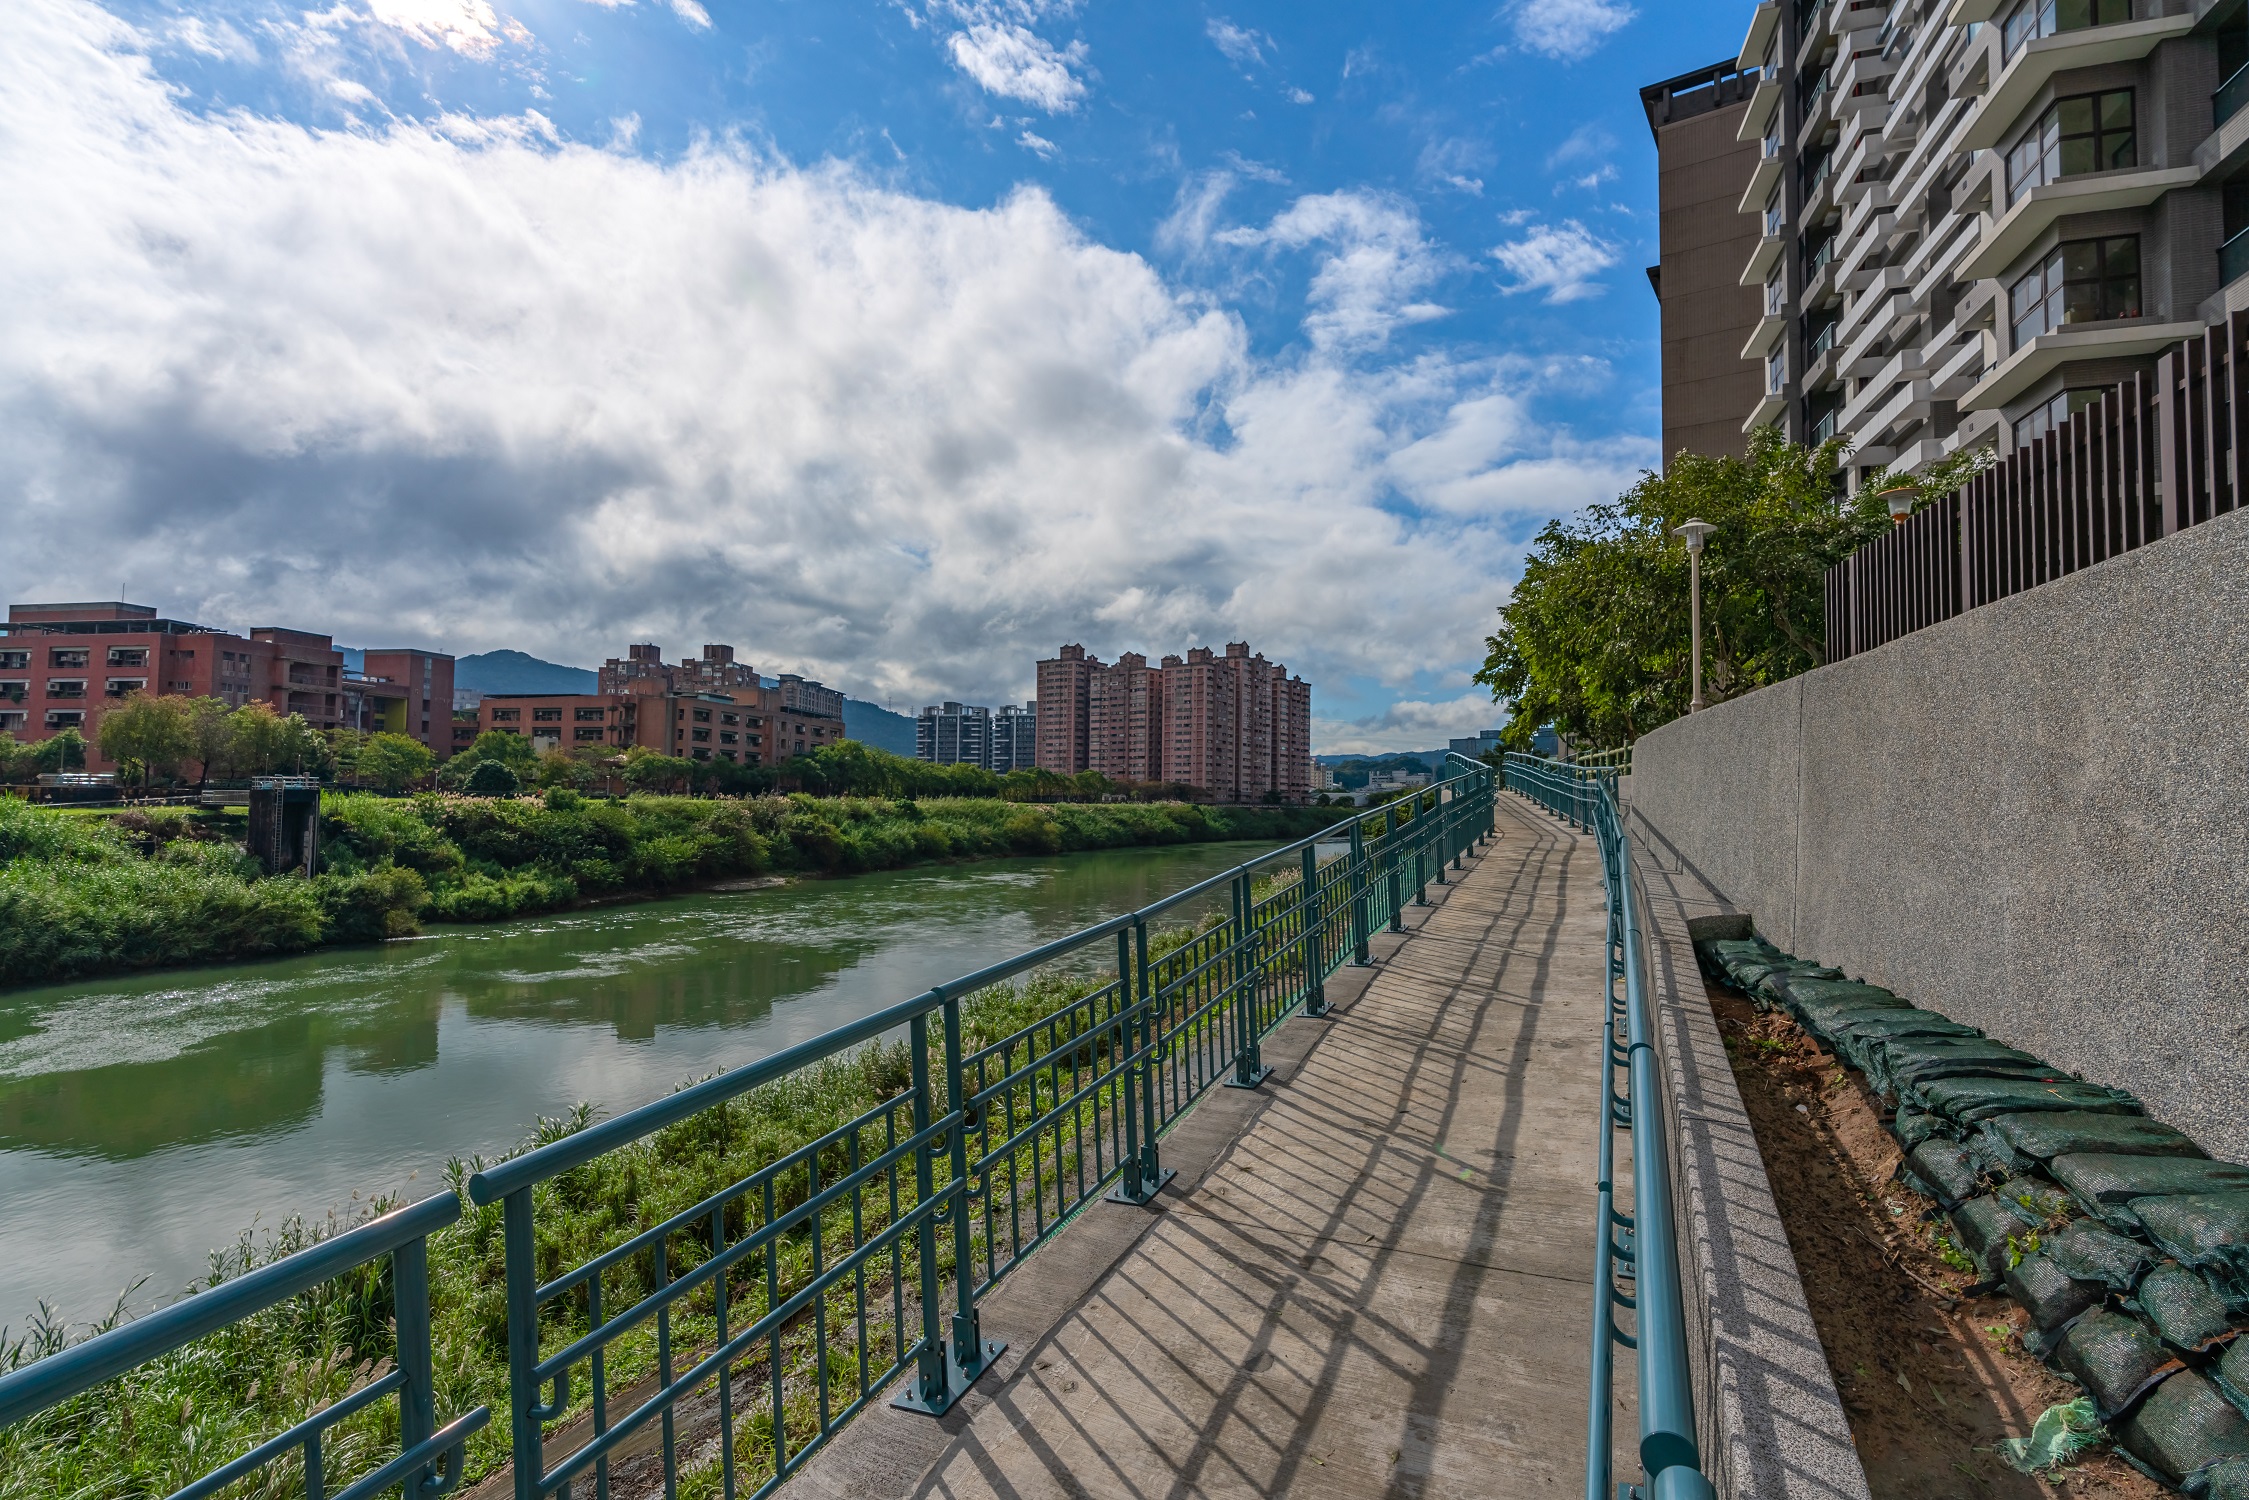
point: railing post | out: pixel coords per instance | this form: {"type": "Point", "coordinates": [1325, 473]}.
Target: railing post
{"type": "Point", "coordinates": [1247, 966]}
{"type": "Point", "coordinates": [417, 1400]}
{"type": "Point", "coordinates": [1390, 867]}
{"type": "Point", "coordinates": [526, 1417]}
{"type": "Point", "coordinates": [1314, 912]}
{"type": "Point", "coordinates": [930, 1381]}
{"type": "Point", "coordinates": [971, 1354]}
{"type": "Point", "coordinates": [1425, 825]}
{"type": "Point", "coordinates": [1359, 954]}
{"type": "Point", "coordinates": [1144, 1175]}
{"type": "Point", "coordinates": [1447, 805]}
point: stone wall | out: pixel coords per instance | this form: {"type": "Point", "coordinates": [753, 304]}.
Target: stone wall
{"type": "Point", "coordinates": [2033, 818]}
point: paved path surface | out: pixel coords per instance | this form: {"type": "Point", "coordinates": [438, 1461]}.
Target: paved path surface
{"type": "Point", "coordinates": [1380, 1284]}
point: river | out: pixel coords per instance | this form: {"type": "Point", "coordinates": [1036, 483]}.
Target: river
{"type": "Point", "coordinates": [146, 1120]}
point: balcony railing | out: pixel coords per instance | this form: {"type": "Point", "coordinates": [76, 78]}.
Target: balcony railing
{"type": "Point", "coordinates": [1822, 341]}
{"type": "Point", "coordinates": [2233, 257]}
{"type": "Point", "coordinates": [2230, 96]}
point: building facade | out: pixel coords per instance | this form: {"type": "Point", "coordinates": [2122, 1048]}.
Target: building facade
{"type": "Point", "coordinates": [401, 690]}
{"type": "Point", "coordinates": [63, 665]}
{"type": "Point", "coordinates": [1972, 214]}
{"type": "Point", "coordinates": [1231, 724]}
{"type": "Point", "coordinates": [713, 707]}
{"type": "Point", "coordinates": [954, 734]}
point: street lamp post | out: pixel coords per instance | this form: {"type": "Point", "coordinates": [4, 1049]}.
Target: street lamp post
{"type": "Point", "coordinates": [1694, 532]}
{"type": "Point", "coordinates": [1899, 498]}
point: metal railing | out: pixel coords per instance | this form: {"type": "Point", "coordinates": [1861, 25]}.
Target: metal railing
{"type": "Point", "coordinates": [1639, 1249]}
{"type": "Point", "coordinates": [740, 1332]}
{"type": "Point", "coordinates": [1618, 759]}
{"type": "Point", "coordinates": [430, 1458]}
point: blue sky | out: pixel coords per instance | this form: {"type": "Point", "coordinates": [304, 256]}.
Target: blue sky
{"type": "Point", "coordinates": [891, 342]}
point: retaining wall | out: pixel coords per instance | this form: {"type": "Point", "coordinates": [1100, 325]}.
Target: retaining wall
{"type": "Point", "coordinates": [2033, 817]}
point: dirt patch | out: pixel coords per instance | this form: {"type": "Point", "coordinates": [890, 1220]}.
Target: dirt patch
{"type": "Point", "coordinates": [1930, 1378]}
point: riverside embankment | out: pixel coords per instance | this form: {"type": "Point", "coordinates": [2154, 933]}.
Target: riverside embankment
{"type": "Point", "coordinates": [146, 1119]}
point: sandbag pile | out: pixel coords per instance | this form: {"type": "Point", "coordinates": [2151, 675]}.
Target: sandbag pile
{"type": "Point", "coordinates": [2126, 1244]}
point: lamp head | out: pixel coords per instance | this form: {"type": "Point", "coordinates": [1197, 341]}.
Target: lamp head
{"type": "Point", "coordinates": [1694, 532]}
{"type": "Point", "coordinates": [1900, 498]}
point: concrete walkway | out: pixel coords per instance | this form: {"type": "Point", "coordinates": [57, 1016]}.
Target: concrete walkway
{"type": "Point", "coordinates": [1373, 1275]}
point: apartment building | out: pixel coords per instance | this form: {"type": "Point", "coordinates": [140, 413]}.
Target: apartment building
{"type": "Point", "coordinates": [63, 665]}
{"type": "Point", "coordinates": [714, 706]}
{"type": "Point", "coordinates": [954, 734]}
{"type": "Point", "coordinates": [402, 690]}
{"type": "Point", "coordinates": [565, 721]}
{"type": "Point", "coordinates": [1234, 725]}
{"type": "Point", "coordinates": [1015, 737]}
{"type": "Point", "coordinates": [1970, 215]}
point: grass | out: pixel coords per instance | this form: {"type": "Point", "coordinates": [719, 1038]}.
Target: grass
{"type": "Point", "coordinates": [146, 889]}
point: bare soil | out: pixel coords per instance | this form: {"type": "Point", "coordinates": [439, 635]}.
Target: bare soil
{"type": "Point", "coordinates": [1930, 1377]}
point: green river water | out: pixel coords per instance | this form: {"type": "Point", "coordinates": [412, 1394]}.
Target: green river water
{"type": "Point", "coordinates": [146, 1120]}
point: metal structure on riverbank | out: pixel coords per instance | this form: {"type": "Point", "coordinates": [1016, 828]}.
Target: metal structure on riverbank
{"type": "Point", "coordinates": [1646, 1240]}
{"type": "Point", "coordinates": [766, 1314]}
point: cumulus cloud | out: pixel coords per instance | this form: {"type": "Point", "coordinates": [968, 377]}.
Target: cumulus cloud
{"type": "Point", "coordinates": [1409, 724]}
{"type": "Point", "coordinates": [1017, 63]}
{"type": "Point", "coordinates": [1560, 260]}
{"type": "Point", "coordinates": [469, 385]}
{"type": "Point", "coordinates": [1375, 260]}
{"type": "Point", "coordinates": [469, 27]}
{"type": "Point", "coordinates": [1569, 29]}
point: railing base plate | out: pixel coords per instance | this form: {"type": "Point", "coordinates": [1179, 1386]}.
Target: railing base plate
{"type": "Point", "coordinates": [957, 1382]}
{"type": "Point", "coordinates": [1250, 1082]}
{"type": "Point", "coordinates": [1119, 1195]}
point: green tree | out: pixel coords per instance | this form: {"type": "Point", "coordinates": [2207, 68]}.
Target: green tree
{"type": "Point", "coordinates": [148, 736]}
{"type": "Point", "coordinates": [394, 762]}
{"type": "Point", "coordinates": [256, 739]}
{"type": "Point", "coordinates": [492, 778]}
{"type": "Point", "coordinates": [211, 723]}
{"type": "Point", "coordinates": [16, 760]}
{"type": "Point", "coordinates": [64, 750]}
{"type": "Point", "coordinates": [1594, 639]}
{"type": "Point", "coordinates": [647, 771]}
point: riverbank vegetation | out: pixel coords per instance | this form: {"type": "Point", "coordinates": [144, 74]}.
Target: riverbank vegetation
{"type": "Point", "coordinates": [82, 895]}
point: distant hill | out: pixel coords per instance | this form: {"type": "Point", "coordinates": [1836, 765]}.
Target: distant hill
{"type": "Point", "coordinates": [872, 724]}
{"type": "Point", "coordinates": [519, 672]}
{"type": "Point", "coordinates": [1427, 757]}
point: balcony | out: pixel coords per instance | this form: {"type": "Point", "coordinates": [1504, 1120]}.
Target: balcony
{"type": "Point", "coordinates": [1763, 258]}
{"type": "Point", "coordinates": [1765, 336]}
{"type": "Point", "coordinates": [2233, 259]}
{"type": "Point", "coordinates": [2013, 232]}
{"type": "Point", "coordinates": [1764, 101]}
{"type": "Point", "coordinates": [2230, 96]}
{"type": "Point", "coordinates": [2035, 65]}
{"type": "Point", "coordinates": [2126, 338]}
{"type": "Point", "coordinates": [1763, 22]}
{"type": "Point", "coordinates": [58, 687]}
{"type": "Point", "coordinates": [1770, 156]}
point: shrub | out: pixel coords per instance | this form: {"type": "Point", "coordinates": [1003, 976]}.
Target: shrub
{"type": "Point", "coordinates": [493, 778]}
{"type": "Point", "coordinates": [368, 908]}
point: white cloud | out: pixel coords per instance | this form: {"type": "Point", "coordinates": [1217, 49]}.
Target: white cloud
{"type": "Point", "coordinates": [692, 13]}
{"type": "Point", "coordinates": [1569, 29]}
{"type": "Point", "coordinates": [1037, 143]}
{"type": "Point", "coordinates": [469, 27]}
{"type": "Point", "coordinates": [468, 385]}
{"type": "Point", "coordinates": [1560, 260]}
{"type": "Point", "coordinates": [1242, 45]}
{"type": "Point", "coordinates": [1017, 63]}
{"type": "Point", "coordinates": [1589, 142]}
{"type": "Point", "coordinates": [1374, 260]}
{"type": "Point", "coordinates": [1299, 96]}
{"type": "Point", "coordinates": [1409, 724]}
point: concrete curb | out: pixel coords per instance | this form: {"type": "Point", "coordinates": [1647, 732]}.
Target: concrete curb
{"type": "Point", "coordinates": [1772, 1425]}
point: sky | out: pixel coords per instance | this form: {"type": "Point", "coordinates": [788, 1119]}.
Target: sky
{"type": "Point", "coordinates": [893, 342]}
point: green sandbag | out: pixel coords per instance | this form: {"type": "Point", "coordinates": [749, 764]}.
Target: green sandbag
{"type": "Point", "coordinates": [2115, 1357]}
{"type": "Point", "coordinates": [2232, 1373]}
{"type": "Point", "coordinates": [1910, 1066]}
{"type": "Point", "coordinates": [1816, 1001]}
{"type": "Point", "coordinates": [2184, 1428]}
{"type": "Point", "coordinates": [1773, 988]}
{"type": "Point", "coordinates": [2051, 1296]}
{"type": "Point", "coordinates": [1854, 1032]}
{"type": "Point", "coordinates": [2106, 1183]}
{"type": "Point", "coordinates": [1947, 1171]}
{"type": "Point", "coordinates": [2183, 1306]}
{"type": "Point", "coordinates": [2023, 1139]}
{"type": "Point", "coordinates": [1968, 1100]}
{"type": "Point", "coordinates": [2206, 1230]}
{"type": "Point", "coordinates": [1912, 1125]}
{"type": "Point", "coordinates": [2227, 1479]}
{"type": "Point", "coordinates": [1982, 1227]}
{"type": "Point", "coordinates": [2092, 1252]}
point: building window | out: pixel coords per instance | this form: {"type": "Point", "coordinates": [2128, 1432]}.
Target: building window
{"type": "Point", "coordinates": [2085, 133]}
{"type": "Point", "coordinates": [1776, 216]}
{"type": "Point", "coordinates": [730, 718]}
{"type": "Point", "coordinates": [2033, 19]}
{"type": "Point", "coordinates": [11, 721]}
{"type": "Point", "coordinates": [1776, 371]}
{"type": "Point", "coordinates": [589, 715]}
{"type": "Point", "coordinates": [729, 737]}
{"type": "Point", "coordinates": [128, 656]}
{"type": "Point", "coordinates": [507, 715]}
{"type": "Point", "coordinates": [698, 734]}
{"type": "Point", "coordinates": [585, 734]}
{"type": "Point", "coordinates": [701, 754]}
{"type": "Point", "coordinates": [66, 687]}
{"type": "Point", "coordinates": [546, 716]}
{"type": "Point", "coordinates": [2048, 415]}
{"type": "Point", "coordinates": [702, 716]}
{"type": "Point", "coordinates": [59, 657]}
{"type": "Point", "coordinates": [118, 687]}
{"type": "Point", "coordinates": [755, 739]}
{"type": "Point", "coordinates": [15, 691]}
{"type": "Point", "coordinates": [65, 718]}
{"type": "Point", "coordinates": [15, 661]}
{"type": "Point", "coordinates": [2081, 281]}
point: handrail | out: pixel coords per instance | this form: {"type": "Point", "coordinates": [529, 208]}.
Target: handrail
{"type": "Point", "coordinates": [996, 1148]}
{"type": "Point", "coordinates": [429, 1459]}
{"type": "Point", "coordinates": [1647, 1256]}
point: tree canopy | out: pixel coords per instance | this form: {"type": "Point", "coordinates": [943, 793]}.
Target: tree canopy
{"type": "Point", "coordinates": [1594, 641]}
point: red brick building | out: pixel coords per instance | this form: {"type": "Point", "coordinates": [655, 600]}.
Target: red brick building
{"type": "Point", "coordinates": [702, 708]}
{"type": "Point", "coordinates": [402, 690]}
{"type": "Point", "coordinates": [1065, 703]}
{"type": "Point", "coordinates": [1234, 725]}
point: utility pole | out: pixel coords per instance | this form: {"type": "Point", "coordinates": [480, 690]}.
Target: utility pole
{"type": "Point", "coordinates": [1694, 532]}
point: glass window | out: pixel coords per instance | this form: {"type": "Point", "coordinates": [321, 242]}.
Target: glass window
{"type": "Point", "coordinates": [2048, 415]}
{"type": "Point", "coordinates": [1776, 371]}
{"type": "Point", "coordinates": [2083, 133]}
{"type": "Point", "coordinates": [2082, 281]}
{"type": "Point", "coordinates": [2033, 19]}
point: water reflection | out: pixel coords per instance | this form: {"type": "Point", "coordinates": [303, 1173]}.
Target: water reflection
{"type": "Point", "coordinates": [145, 1120]}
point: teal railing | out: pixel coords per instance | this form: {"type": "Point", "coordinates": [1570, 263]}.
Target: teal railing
{"type": "Point", "coordinates": [1641, 1249]}
{"type": "Point", "coordinates": [726, 1343]}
